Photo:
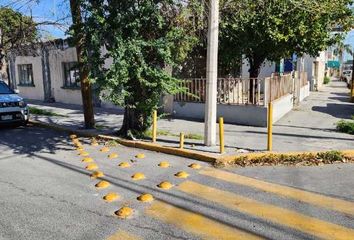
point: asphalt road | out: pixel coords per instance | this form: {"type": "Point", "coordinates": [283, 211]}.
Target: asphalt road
{"type": "Point", "coordinates": [46, 193]}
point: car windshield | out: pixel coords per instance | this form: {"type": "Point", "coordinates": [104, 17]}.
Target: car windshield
{"type": "Point", "coordinates": [4, 89]}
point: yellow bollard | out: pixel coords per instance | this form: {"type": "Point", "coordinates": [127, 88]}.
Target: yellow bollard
{"type": "Point", "coordinates": [181, 140]}
{"type": "Point", "coordinates": [270, 127]}
{"type": "Point", "coordinates": [154, 126]}
{"type": "Point", "coordinates": [221, 135]}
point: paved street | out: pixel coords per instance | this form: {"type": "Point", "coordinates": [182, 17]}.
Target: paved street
{"type": "Point", "coordinates": [46, 193]}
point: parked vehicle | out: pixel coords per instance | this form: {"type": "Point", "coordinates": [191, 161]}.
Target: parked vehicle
{"type": "Point", "coordinates": [347, 77]}
{"type": "Point", "coordinates": [13, 108]}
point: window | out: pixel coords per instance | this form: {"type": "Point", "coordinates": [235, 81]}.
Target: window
{"type": "Point", "coordinates": [25, 74]}
{"type": "Point", "coordinates": [71, 75]}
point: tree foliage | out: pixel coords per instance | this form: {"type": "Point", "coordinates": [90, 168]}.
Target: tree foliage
{"type": "Point", "coordinates": [16, 31]}
{"type": "Point", "coordinates": [141, 39]}
{"type": "Point", "coordinates": [272, 30]}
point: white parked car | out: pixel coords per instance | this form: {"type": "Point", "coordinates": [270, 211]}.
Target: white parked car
{"type": "Point", "coordinates": [347, 76]}
{"type": "Point", "coordinates": [13, 109]}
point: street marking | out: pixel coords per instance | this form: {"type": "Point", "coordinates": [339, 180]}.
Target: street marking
{"type": "Point", "coordinates": [195, 223]}
{"type": "Point", "coordinates": [289, 192]}
{"type": "Point", "coordinates": [123, 235]}
{"type": "Point", "coordinates": [270, 212]}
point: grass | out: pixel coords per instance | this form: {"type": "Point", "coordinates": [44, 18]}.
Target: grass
{"type": "Point", "coordinates": [148, 134]}
{"type": "Point", "coordinates": [44, 112]}
{"type": "Point", "coordinates": [326, 80]}
{"type": "Point", "coordinates": [304, 159]}
{"type": "Point", "coordinates": [346, 126]}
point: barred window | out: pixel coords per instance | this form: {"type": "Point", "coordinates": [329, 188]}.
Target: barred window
{"type": "Point", "coordinates": [71, 75]}
{"type": "Point", "coordinates": [25, 74]}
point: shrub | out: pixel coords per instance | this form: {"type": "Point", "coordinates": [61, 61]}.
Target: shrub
{"type": "Point", "coordinates": [346, 126]}
{"type": "Point", "coordinates": [326, 80]}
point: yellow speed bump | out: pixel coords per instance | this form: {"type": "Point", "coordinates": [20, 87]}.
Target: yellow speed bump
{"type": "Point", "coordinates": [91, 166]}
{"type": "Point", "coordinates": [182, 174]}
{"type": "Point", "coordinates": [164, 164]}
{"type": "Point", "coordinates": [97, 174]}
{"type": "Point", "coordinates": [165, 185]}
{"type": "Point", "coordinates": [87, 160]}
{"type": "Point", "coordinates": [124, 212]}
{"type": "Point", "coordinates": [112, 155]}
{"type": "Point", "coordinates": [102, 184]}
{"type": "Point", "coordinates": [110, 197]}
{"type": "Point", "coordinates": [140, 155]}
{"type": "Point", "coordinates": [104, 149]}
{"type": "Point", "coordinates": [195, 166]}
{"type": "Point", "coordinates": [84, 154]}
{"type": "Point", "coordinates": [146, 197]}
{"type": "Point", "coordinates": [124, 165]}
{"type": "Point", "coordinates": [138, 176]}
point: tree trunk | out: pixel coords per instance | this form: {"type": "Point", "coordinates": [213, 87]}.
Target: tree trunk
{"type": "Point", "coordinates": [133, 123]}
{"type": "Point", "coordinates": [255, 66]}
{"type": "Point", "coordinates": [84, 71]}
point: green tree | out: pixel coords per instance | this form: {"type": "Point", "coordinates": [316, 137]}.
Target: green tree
{"type": "Point", "coordinates": [16, 30]}
{"type": "Point", "coordinates": [272, 30]}
{"type": "Point", "coordinates": [142, 39]}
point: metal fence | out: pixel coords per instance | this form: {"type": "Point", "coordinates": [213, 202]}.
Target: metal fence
{"type": "Point", "coordinates": [237, 91]}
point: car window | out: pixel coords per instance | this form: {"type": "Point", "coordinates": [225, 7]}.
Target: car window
{"type": "Point", "coordinates": [4, 89]}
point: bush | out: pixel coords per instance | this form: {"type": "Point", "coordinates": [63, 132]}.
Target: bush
{"type": "Point", "coordinates": [326, 80]}
{"type": "Point", "coordinates": [346, 126]}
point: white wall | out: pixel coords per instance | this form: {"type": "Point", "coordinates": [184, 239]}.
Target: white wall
{"type": "Point", "coordinates": [266, 70]}
{"type": "Point", "coordinates": [309, 68]}
{"type": "Point", "coordinates": [56, 59]}
{"type": "Point", "coordinates": [239, 114]}
{"type": "Point", "coordinates": [36, 91]}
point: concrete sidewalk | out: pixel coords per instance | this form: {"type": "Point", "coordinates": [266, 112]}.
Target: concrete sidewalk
{"type": "Point", "coordinates": [309, 127]}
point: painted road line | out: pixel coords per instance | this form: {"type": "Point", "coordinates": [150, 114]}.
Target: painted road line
{"type": "Point", "coordinates": [195, 223]}
{"type": "Point", "coordinates": [278, 215]}
{"type": "Point", "coordinates": [284, 191]}
{"type": "Point", "coordinates": [123, 235]}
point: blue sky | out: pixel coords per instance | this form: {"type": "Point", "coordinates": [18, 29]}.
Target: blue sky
{"type": "Point", "coordinates": [59, 9]}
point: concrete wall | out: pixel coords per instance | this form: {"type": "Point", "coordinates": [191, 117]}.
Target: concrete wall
{"type": "Point", "coordinates": [31, 92]}
{"type": "Point", "coordinates": [238, 114]}
{"type": "Point", "coordinates": [304, 92]}
{"type": "Point", "coordinates": [266, 70]}
{"type": "Point", "coordinates": [282, 106]}
{"type": "Point", "coordinates": [315, 76]}
{"type": "Point", "coordinates": [61, 94]}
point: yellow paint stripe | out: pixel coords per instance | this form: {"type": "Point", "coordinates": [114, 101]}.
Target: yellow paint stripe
{"type": "Point", "coordinates": [289, 192]}
{"type": "Point", "coordinates": [122, 235]}
{"type": "Point", "coordinates": [270, 212]}
{"type": "Point", "coordinates": [195, 223]}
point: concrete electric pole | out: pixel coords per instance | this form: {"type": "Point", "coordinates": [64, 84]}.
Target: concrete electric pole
{"type": "Point", "coordinates": [211, 75]}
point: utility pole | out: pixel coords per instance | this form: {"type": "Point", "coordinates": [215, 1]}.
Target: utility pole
{"type": "Point", "coordinates": [211, 75]}
{"type": "Point", "coordinates": [352, 83]}
{"type": "Point", "coordinates": [84, 72]}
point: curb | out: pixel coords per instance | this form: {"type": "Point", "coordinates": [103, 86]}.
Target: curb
{"type": "Point", "coordinates": [226, 160]}
{"type": "Point", "coordinates": [135, 144]}
{"type": "Point", "coordinates": [217, 160]}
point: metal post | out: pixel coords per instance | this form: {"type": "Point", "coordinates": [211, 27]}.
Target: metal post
{"type": "Point", "coordinates": [212, 69]}
{"type": "Point", "coordinates": [181, 140]}
{"type": "Point", "coordinates": [221, 135]}
{"type": "Point", "coordinates": [352, 83]}
{"type": "Point", "coordinates": [154, 126]}
{"type": "Point", "coordinates": [270, 127]}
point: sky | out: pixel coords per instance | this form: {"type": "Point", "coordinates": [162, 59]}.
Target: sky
{"type": "Point", "coordinates": [54, 10]}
